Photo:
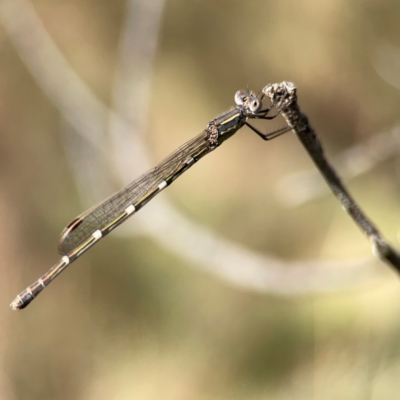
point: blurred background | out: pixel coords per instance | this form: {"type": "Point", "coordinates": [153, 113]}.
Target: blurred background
{"type": "Point", "coordinates": [243, 280]}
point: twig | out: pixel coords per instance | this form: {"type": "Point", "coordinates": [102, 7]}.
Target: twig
{"type": "Point", "coordinates": [284, 95]}
{"type": "Point", "coordinates": [304, 186]}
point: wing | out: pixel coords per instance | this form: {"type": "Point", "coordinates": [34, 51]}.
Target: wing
{"type": "Point", "coordinates": [99, 216]}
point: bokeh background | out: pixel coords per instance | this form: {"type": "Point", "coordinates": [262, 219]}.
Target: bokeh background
{"type": "Point", "coordinates": [244, 280]}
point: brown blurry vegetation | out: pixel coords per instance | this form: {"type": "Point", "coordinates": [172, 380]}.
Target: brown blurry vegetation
{"type": "Point", "coordinates": [136, 319]}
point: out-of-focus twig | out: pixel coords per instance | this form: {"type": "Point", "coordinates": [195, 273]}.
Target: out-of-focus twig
{"type": "Point", "coordinates": [77, 103]}
{"type": "Point", "coordinates": [386, 61]}
{"type": "Point", "coordinates": [132, 84]}
{"type": "Point", "coordinates": [206, 249]}
{"type": "Point", "coordinates": [51, 70]}
{"type": "Point", "coordinates": [136, 53]}
{"type": "Point", "coordinates": [304, 186]}
{"type": "Point", "coordinates": [285, 95]}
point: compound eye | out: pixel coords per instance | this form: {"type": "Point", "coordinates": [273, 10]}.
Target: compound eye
{"type": "Point", "coordinates": [255, 105]}
{"type": "Point", "coordinates": [240, 97]}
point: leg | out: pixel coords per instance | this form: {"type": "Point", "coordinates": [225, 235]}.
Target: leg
{"type": "Point", "coordinates": [263, 113]}
{"type": "Point", "coordinates": [271, 135]}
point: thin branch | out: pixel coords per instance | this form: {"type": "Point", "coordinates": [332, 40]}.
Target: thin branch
{"type": "Point", "coordinates": [285, 95]}
{"type": "Point", "coordinates": [304, 186]}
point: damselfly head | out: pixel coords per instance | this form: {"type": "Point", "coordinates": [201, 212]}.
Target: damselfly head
{"type": "Point", "coordinates": [249, 100]}
{"type": "Point", "coordinates": [241, 97]}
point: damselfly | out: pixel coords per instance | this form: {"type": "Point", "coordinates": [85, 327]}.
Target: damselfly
{"type": "Point", "coordinates": [88, 228]}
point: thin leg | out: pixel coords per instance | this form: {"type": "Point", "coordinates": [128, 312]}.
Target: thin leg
{"type": "Point", "coordinates": [267, 110]}
{"type": "Point", "coordinates": [271, 135]}
{"type": "Point", "coordinates": [264, 116]}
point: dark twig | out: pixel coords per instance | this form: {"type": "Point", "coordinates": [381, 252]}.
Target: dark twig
{"type": "Point", "coordinates": [285, 97]}
{"type": "Point", "coordinates": [304, 186]}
